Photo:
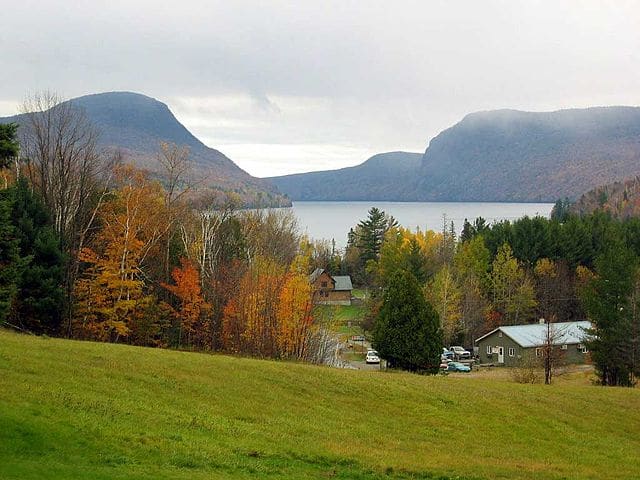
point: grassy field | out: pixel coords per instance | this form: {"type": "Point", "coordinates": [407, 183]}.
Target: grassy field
{"type": "Point", "coordinates": [345, 319]}
{"type": "Point", "coordinates": [86, 410]}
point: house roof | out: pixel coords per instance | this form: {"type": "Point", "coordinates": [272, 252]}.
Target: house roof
{"type": "Point", "coordinates": [534, 335]}
{"type": "Point", "coordinates": [343, 282]}
{"type": "Point", "coordinates": [315, 274]}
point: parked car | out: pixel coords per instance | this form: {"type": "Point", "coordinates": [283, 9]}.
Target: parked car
{"type": "Point", "coordinates": [457, 367]}
{"type": "Point", "coordinates": [460, 353]}
{"type": "Point", "coordinates": [444, 366]}
{"type": "Point", "coordinates": [372, 357]}
{"type": "Point", "coordinates": [447, 355]}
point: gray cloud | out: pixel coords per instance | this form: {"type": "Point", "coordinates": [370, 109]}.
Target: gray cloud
{"type": "Point", "coordinates": [358, 75]}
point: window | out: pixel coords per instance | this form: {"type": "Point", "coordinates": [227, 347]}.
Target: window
{"type": "Point", "coordinates": [512, 352]}
{"type": "Point", "coordinates": [539, 352]}
{"type": "Point", "coordinates": [323, 284]}
{"type": "Point", "coordinates": [584, 349]}
{"type": "Point", "coordinates": [489, 350]}
{"type": "Point", "coordinates": [500, 334]}
{"type": "Point", "coordinates": [564, 347]}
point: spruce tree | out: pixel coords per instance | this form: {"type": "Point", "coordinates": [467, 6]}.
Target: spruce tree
{"type": "Point", "coordinates": [608, 303]}
{"type": "Point", "coordinates": [40, 296]}
{"type": "Point", "coordinates": [372, 233]}
{"type": "Point", "coordinates": [9, 145]}
{"type": "Point", "coordinates": [407, 329]}
{"type": "Point", "coordinates": [10, 264]}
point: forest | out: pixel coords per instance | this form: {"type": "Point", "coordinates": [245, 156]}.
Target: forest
{"type": "Point", "coordinates": [93, 248]}
{"type": "Point", "coordinates": [566, 268]}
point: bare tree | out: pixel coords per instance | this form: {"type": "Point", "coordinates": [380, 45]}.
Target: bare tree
{"type": "Point", "coordinates": [175, 171]}
{"type": "Point", "coordinates": [60, 148]}
{"type": "Point", "coordinates": [175, 167]}
{"type": "Point", "coordinates": [64, 164]}
{"type": "Point", "coordinates": [552, 352]}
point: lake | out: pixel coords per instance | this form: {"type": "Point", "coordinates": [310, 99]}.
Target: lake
{"type": "Point", "coordinates": [332, 220]}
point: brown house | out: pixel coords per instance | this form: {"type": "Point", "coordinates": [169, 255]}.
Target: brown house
{"type": "Point", "coordinates": [330, 290]}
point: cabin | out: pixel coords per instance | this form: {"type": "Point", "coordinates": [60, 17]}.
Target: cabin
{"type": "Point", "coordinates": [509, 345]}
{"type": "Point", "coordinates": [329, 289]}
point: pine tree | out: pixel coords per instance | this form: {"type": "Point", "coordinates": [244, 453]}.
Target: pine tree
{"type": "Point", "coordinates": [40, 296]}
{"type": "Point", "coordinates": [607, 300]}
{"type": "Point", "coordinates": [9, 145]}
{"type": "Point", "coordinates": [407, 332]}
{"type": "Point", "coordinates": [372, 231]}
{"type": "Point", "coordinates": [10, 262]}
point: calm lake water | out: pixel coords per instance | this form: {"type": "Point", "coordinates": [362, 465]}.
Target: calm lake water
{"type": "Point", "coordinates": [332, 220]}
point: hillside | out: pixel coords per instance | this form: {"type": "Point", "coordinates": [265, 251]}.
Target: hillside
{"type": "Point", "coordinates": [620, 199]}
{"type": "Point", "coordinates": [375, 179]}
{"type": "Point", "coordinates": [135, 124]}
{"type": "Point", "coordinates": [73, 409]}
{"type": "Point", "coordinates": [507, 155]}
{"type": "Point", "coordinates": [502, 155]}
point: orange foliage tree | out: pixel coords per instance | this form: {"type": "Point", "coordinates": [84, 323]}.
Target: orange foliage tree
{"type": "Point", "coordinates": [270, 314]}
{"type": "Point", "coordinates": [192, 316]}
{"type": "Point", "coordinates": [110, 295]}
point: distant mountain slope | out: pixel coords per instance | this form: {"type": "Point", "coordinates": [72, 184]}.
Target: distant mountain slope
{"type": "Point", "coordinates": [508, 155]}
{"type": "Point", "coordinates": [136, 124]}
{"type": "Point", "coordinates": [376, 179]}
{"type": "Point", "coordinates": [620, 199]}
{"type": "Point", "coordinates": [501, 155]}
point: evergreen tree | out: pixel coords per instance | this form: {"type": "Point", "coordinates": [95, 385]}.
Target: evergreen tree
{"type": "Point", "coordinates": [607, 300]}
{"type": "Point", "coordinates": [369, 236]}
{"type": "Point", "coordinates": [561, 209]}
{"type": "Point", "coordinates": [416, 261]}
{"type": "Point", "coordinates": [40, 296]}
{"type": "Point", "coordinates": [10, 264]}
{"type": "Point", "coordinates": [9, 145]}
{"type": "Point", "coordinates": [407, 331]}
{"type": "Point", "coordinates": [372, 231]}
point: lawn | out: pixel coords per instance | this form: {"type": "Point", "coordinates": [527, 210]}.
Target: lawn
{"type": "Point", "coordinates": [344, 319]}
{"type": "Point", "coordinates": [73, 409]}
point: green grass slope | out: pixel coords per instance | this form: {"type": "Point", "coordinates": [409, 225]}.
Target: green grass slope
{"type": "Point", "coordinates": [85, 410]}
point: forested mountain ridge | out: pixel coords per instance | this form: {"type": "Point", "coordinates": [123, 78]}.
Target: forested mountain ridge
{"type": "Point", "coordinates": [135, 125]}
{"type": "Point", "coordinates": [376, 179]}
{"type": "Point", "coordinates": [501, 155]}
{"type": "Point", "coordinates": [509, 155]}
{"type": "Point", "coordinates": [620, 199]}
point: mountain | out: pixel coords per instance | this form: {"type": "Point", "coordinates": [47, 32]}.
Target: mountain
{"type": "Point", "coordinates": [508, 155]}
{"type": "Point", "coordinates": [501, 155]}
{"type": "Point", "coordinates": [135, 124]}
{"type": "Point", "coordinates": [620, 199]}
{"type": "Point", "coordinates": [376, 179]}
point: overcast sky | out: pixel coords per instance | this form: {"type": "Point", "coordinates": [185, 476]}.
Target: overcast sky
{"type": "Point", "coordinates": [284, 87]}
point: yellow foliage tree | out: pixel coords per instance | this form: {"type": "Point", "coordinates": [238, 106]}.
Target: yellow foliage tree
{"type": "Point", "coordinates": [110, 295]}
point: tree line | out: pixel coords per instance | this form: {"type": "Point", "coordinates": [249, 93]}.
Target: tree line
{"type": "Point", "coordinates": [94, 248]}
{"type": "Point", "coordinates": [566, 268]}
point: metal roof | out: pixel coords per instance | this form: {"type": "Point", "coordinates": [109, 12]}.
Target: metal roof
{"type": "Point", "coordinates": [534, 335]}
{"type": "Point", "coordinates": [343, 282]}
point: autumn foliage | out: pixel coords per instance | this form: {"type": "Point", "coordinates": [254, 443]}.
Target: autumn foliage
{"type": "Point", "coordinates": [192, 313]}
{"type": "Point", "coordinates": [270, 314]}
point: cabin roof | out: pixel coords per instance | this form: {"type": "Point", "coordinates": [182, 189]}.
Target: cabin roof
{"type": "Point", "coordinates": [343, 282]}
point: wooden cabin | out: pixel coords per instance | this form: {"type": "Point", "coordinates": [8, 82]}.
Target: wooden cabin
{"type": "Point", "coordinates": [329, 289]}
